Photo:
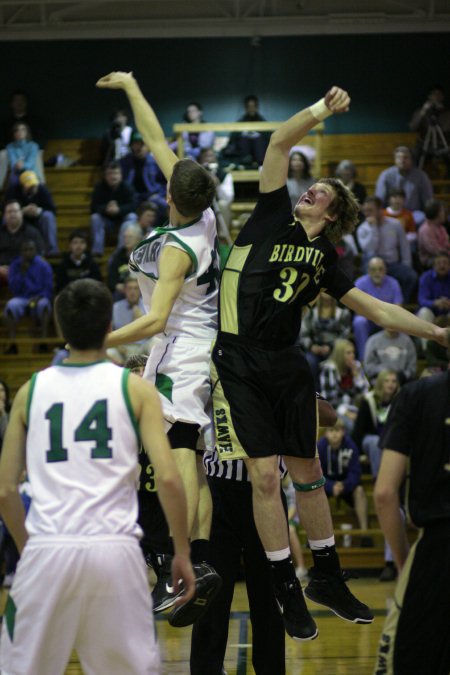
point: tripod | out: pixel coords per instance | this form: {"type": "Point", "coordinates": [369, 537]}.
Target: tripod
{"type": "Point", "coordinates": [435, 144]}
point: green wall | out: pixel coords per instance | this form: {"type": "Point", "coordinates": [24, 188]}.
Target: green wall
{"type": "Point", "coordinates": [387, 75]}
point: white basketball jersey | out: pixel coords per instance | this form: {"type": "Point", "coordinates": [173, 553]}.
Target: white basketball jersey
{"type": "Point", "coordinates": [82, 452]}
{"type": "Point", "coordinates": [194, 313]}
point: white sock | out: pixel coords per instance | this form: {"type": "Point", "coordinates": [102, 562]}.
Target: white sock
{"type": "Point", "coordinates": [276, 556]}
{"type": "Point", "coordinates": [317, 544]}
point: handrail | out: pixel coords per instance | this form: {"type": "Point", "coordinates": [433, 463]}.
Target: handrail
{"type": "Point", "coordinates": [178, 129]}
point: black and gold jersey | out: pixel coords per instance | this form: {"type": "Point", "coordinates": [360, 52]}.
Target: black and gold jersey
{"type": "Point", "coordinates": [419, 426]}
{"type": "Point", "coordinates": [272, 272]}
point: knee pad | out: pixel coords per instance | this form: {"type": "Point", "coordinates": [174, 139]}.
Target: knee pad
{"type": "Point", "coordinates": [309, 487]}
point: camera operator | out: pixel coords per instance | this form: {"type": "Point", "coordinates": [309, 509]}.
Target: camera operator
{"type": "Point", "coordinates": [223, 181]}
{"type": "Point", "coordinates": [116, 140]}
{"type": "Point", "coordinates": [433, 113]}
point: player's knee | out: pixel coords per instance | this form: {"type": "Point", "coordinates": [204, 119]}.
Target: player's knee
{"type": "Point", "coordinates": [305, 470]}
{"type": "Point", "coordinates": [266, 482]}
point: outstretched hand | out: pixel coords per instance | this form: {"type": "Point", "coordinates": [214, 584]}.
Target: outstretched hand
{"type": "Point", "coordinates": [115, 80]}
{"type": "Point", "coordinates": [337, 100]}
{"type": "Point", "coordinates": [442, 335]}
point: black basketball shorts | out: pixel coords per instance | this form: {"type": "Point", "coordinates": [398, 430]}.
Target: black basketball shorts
{"type": "Point", "coordinates": [264, 402]}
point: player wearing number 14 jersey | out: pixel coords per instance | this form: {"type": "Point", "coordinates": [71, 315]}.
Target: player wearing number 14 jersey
{"type": "Point", "coordinates": [263, 390]}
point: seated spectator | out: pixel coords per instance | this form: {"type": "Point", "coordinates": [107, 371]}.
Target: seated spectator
{"type": "Point", "coordinates": [396, 209]}
{"type": "Point", "coordinates": [224, 185]}
{"type": "Point", "coordinates": [347, 252]}
{"type": "Point", "coordinates": [118, 269]}
{"type": "Point", "coordinates": [5, 407]}
{"type": "Point", "coordinates": [342, 381]}
{"type": "Point", "coordinates": [19, 112]}
{"type": "Point", "coordinates": [436, 355]}
{"type": "Point", "coordinates": [140, 170]}
{"type": "Point", "coordinates": [346, 172]}
{"type": "Point", "coordinates": [13, 232]}
{"type": "Point", "coordinates": [433, 237]}
{"type": "Point", "coordinates": [381, 286]}
{"type": "Point", "coordinates": [413, 181]}
{"type": "Point", "coordinates": [23, 154]}
{"type": "Point", "coordinates": [247, 148]}
{"type": "Point", "coordinates": [339, 458]}
{"type": "Point", "coordinates": [125, 311]}
{"type": "Point", "coordinates": [196, 141]}
{"type": "Point", "coordinates": [30, 280]}
{"type": "Point", "coordinates": [76, 263]}
{"type": "Point", "coordinates": [321, 327]}
{"type": "Point", "coordinates": [299, 176]}
{"type": "Point", "coordinates": [385, 238]}
{"type": "Point", "coordinates": [434, 289]}
{"type": "Point", "coordinates": [147, 218]}
{"type": "Point", "coordinates": [38, 207]}
{"type": "Point", "coordinates": [391, 350]}
{"type": "Point", "coordinates": [372, 415]}
{"type": "Point", "coordinates": [116, 140]}
{"type": "Point", "coordinates": [113, 202]}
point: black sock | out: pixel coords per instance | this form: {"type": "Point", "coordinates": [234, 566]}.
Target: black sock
{"type": "Point", "coordinates": [326, 560]}
{"type": "Point", "coordinates": [199, 550]}
{"type": "Point", "coordinates": [282, 570]}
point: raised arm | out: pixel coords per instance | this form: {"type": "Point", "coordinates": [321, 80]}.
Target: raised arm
{"type": "Point", "coordinates": [276, 161]}
{"type": "Point", "coordinates": [393, 317]}
{"type": "Point", "coordinates": [174, 267]}
{"type": "Point", "coordinates": [145, 118]}
{"type": "Point", "coordinates": [12, 466]}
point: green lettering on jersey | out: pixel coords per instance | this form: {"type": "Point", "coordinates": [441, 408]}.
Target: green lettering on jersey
{"type": "Point", "coordinates": [93, 427]}
{"type": "Point", "coordinates": [10, 616]}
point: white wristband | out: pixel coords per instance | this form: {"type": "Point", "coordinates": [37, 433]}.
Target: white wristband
{"type": "Point", "coordinates": [319, 110]}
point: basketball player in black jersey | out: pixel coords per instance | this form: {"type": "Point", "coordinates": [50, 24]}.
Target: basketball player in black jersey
{"type": "Point", "coordinates": [264, 400]}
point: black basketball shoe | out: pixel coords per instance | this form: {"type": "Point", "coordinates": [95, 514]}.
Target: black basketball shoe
{"type": "Point", "coordinates": [207, 585]}
{"type": "Point", "coordinates": [298, 621]}
{"type": "Point", "coordinates": [331, 590]}
{"type": "Point", "coordinates": [162, 594]}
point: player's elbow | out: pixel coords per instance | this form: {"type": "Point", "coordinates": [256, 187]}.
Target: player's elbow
{"type": "Point", "coordinates": [384, 496]}
{"type": "Point", "coordinates": [7, 490]}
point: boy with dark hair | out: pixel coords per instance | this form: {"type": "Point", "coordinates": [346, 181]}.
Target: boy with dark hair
{"type": "Point", "coordinates": [74, 427]}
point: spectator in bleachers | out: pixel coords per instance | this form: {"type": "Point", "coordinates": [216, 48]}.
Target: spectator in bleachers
{"type": "Point", "coordinates": [381, 286]}
{"type": "Point", "coordinates": [372, 415]}
{"type": "Point", "coordinates": [390, 350]}
{"type": "Point", "coordinates": [323, 324]}
{"type": "Point", "coordinates": [22, 154]}
{"type": "Point", "coordinates": [196, 141]}
{"type": "Point", "coordinates": [411, 179]}
{"type": "Point", "coordinates": [299, 175]}
{"type": "Point", "coordinates": [385, 237]}
{"type": "Point", "coordinates": [342, 381]}
{"type": "Point", "coordinates": [30, 280]}
{"type": "Point", "coordinates": [118, 270]}
{"type": "Point", "coordinates": [5, 407]}
{"type": "Point", "coordinates": [223, 181]}
{"type": "Point", "coordinates": [113, 202]}
{"type": "Point", "coordinates": [339, 458]}
{"type": "Point", "coordinates": [124, 312]}
{"type": "Point", "coordinates": [140, 170]}
{"type": "Point", "coordinates": [346, 172]}
{"type": "Point", "coordinates": [433, 112]}
{"type": "Point", "coordinates": [13, 232]}
{"type": "Point", "coordinates": [247, 148]}
{"type": "Point", "coordinates": [116, 140]}
{"type": "Point", "coordinates": [76, 263]}
{"type": "Point", "coordinates": [434, 289]}
{"type": "Point", "coordinates": [38, 207]}
{"type": "Point", "coordinates": [396, 209]}
{"type": "Point", "coordinates": [433, 237]}
{"type": "Point", "coordinates": [147, 219]}
{"type": "Point", "coordinates": [19, 112]}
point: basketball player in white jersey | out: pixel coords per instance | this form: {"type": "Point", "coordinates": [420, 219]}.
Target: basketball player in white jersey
{"type": "Point", "coordinates": [177, 267]}
{"type": "Point", "coordinates": [81, 580]}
